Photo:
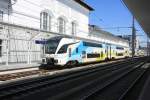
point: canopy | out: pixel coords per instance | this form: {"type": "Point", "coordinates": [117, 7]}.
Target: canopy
{"type": "Point", "coordinates": [141, 11]}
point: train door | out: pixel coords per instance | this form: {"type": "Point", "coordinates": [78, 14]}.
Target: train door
{"type": "Point", "coordinates": [84, 56]}
{"type": "Point", "coordinates": [108, 51]}
{"type": "Point", "coordinates": [113, 52]}
{"type": "Point", "coordinates": [69, 52]}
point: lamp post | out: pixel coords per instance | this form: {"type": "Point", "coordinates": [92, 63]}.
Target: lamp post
{"type": "Point", "coordinates": [8, 35]}
{"type": "Point", "coordinates": [8, 30]}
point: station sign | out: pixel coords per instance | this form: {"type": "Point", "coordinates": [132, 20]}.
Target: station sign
{"type": "Point", "coordinates": [40, 41]}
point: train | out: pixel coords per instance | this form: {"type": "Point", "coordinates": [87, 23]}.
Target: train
{"type": "Point", "coordinates": [62, 51]}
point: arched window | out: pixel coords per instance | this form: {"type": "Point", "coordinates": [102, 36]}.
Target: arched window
{"type": "Point", "coordinates": [1, 15]}
{"type": "Point", "coordinates": [45, 21]}
{"type": "Point", "coordinates": [74, 28]}
{"type": "Point", "coordinates": [0, 48]}
{"type": "Point", "coordinates": [61, 25]}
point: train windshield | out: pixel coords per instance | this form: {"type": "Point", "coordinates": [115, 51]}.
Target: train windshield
{"type": "Point", "coordinates": [63, 49]}
{"type": "Point", "coordinates": [51, 45]}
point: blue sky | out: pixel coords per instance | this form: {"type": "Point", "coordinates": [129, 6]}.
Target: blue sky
{"type": "Point", "coordinates": [113, 13]}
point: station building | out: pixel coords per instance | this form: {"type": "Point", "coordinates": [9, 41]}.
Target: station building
{"type": "Point", "coordinates": [62, 16]}
{"type": "Point", "coordinates": [23, 22]}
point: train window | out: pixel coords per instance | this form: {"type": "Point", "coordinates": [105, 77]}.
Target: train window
{"type": "Point", "coordinates": [83, 54]}
{"type": "Point", "coordinates": [119, 54]}
{"type": "Point", "coordinates": [50, 47]}
{"type": "Point", "coordinates": [52, 44]}
{"type": "Point", "coordinates": [93, 55]}
{"type": "Point", "coordinates": [77, 50]}
{"type": "Point", "coordinates": [92, 44]}
{"type": "Point", "coordinates": [63, 49]}
{"type": "Point", "coordinates": [0, 48]}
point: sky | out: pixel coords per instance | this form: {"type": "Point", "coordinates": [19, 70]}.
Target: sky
{"type": "Point", "coordinates": [110, 14]}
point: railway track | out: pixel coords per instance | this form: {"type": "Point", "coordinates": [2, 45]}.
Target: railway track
{"type": "Point", "coordinates": [18, 75]}
{"type": "Point", "coordinates": [42, 71]}
{"type": "Point", "coordinates": [79, 85]}
{"type": "Point", "coordinates": [118, 89]}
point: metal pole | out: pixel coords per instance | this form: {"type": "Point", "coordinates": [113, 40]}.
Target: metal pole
{"type": "Point", "coordinates": [133, 37]}
{"type": "Point", "coordinates": [8, 37]}
{"type": "Point", "coordinates": [147, 46]}
{"type": "Point", "coordinates": [28, 52]}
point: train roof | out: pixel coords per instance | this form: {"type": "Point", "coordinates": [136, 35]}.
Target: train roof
{"type": "Point", "coordinates": [81, 39]}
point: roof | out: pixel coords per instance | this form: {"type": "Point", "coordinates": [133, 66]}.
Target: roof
{"type": "Point", "coordinates": [97, 28]}
{"type": "Point", "coordinates": [104, 33]}
{"type": "Point", "coordinates": [141, 11]}
{"type": "Point", "coordinates": [82, 3]}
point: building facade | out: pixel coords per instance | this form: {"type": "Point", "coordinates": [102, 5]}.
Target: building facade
{"type": "Point", "coordinates": [63, 16]}
{"type": "Point", "coordinates": [106, 37]}
{"type": "Point", "coordinates": [22, 22]}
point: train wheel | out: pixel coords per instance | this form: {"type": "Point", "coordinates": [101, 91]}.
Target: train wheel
{"type": "Point", "coordinates": [106, 59]}
{"type": "Point", "coordinates": [72, 63]}
{"type": "Point", "coordinates": [113, 58]}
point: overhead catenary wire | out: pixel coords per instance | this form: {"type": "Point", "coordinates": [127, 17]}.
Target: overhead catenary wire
{"type": "Point", "coordinates": [36, 19]}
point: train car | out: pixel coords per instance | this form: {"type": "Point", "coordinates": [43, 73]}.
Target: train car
{"type": "Point", "coordinates": [120, 52]}
{"type": "Point", "coordinates": [67, 51]}
{"type": "Point", "coordinates": [116, 52]}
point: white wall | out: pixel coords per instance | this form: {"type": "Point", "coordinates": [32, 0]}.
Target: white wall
{"type": "Point", "coordinates": [27, 13]}
{"type": "Point", "coordinates": [22, 48]}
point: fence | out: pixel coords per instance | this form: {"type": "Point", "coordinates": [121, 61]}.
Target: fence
{"type": "Point", "coordinates": [17, 44]}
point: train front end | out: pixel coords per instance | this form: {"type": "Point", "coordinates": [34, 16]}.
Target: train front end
{"type": "Point", "coordinates": [49, 50]}
{"type": "Point", "coordinates": [56, 51]}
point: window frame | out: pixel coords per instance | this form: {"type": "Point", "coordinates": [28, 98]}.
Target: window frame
{"type": "Point", "coordinates": [1, 15]}
{"type": "Point", "coordinates": [90, 44]}
{"type": "Point", "coordinates": [1, 41]}
{"type": "Point", "coordinates": [74, 28]}
{"type": "Point", "coordinates": [45, 21]}
{"type": "Point", "coordinates": [61, 25]}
